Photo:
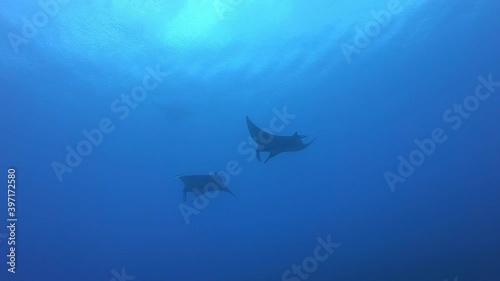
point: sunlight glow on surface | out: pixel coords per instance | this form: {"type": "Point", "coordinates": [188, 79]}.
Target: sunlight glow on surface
{"type": "Point", "coordinates": [192, 36]}
{"type": "Point", "coordinates": [194, 24]}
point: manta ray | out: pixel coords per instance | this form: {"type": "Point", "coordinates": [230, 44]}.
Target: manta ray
{"type": "Point", "coordinates": [201, 184]}
{"type": "Point", "coordinates": [275, 144]}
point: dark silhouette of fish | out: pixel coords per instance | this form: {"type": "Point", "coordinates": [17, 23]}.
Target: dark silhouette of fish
{"type": "Point", "coordinates": [275, 144]}
{"type": "Point", "coordinates": [201, 184]}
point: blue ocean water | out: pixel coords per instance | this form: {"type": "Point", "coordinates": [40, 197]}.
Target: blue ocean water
{"type": "Point", "coordinates": [104, 103]}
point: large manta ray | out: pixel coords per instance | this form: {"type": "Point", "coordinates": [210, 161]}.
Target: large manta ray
{"type": "Point", "coordinates": [201, 184]}
{"type": "Point", "coordinates": [275, 144]}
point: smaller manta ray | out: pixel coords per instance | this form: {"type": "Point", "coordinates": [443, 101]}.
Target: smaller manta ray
{"type": "Point", "coordinates": [275, 144]}
{"type": "Point", "coordinates": [201, 184]}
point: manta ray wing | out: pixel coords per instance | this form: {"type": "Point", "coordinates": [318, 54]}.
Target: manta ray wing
{"type": "Point", "coordinates": [275, 144]}
{"type": "Point", "coordinates": [260, 136]}
{"type": "Point", "coordinates": [201, 184]}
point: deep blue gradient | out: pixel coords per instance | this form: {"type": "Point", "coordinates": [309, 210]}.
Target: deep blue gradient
{"type": "Point", "coordinates": [119, 208]}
